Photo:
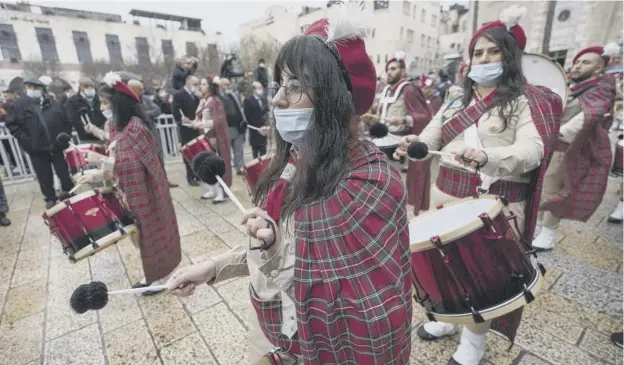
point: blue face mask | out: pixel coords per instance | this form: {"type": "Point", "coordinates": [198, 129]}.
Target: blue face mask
{"type": "Point", "coordinates": [487, 74]}
{"type": "Point", "coordinates": [108, 114]}
{"type": "Point", "coordinates": [292, 124]}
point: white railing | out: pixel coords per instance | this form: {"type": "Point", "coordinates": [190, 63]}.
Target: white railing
{"type": "Point", "coordinates": [16, 166]}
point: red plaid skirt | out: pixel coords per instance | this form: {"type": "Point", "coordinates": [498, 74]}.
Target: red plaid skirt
{"type": "Point", "coordinates": [462, 183]}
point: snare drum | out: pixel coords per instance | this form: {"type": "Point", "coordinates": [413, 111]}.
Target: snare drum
{"type": "Point", "coordinates": [194, 147]}
{"type": "Point", "coordinates": [617, 168]}
{"type": "Point", "coordinates": [89, 222]}
{"type": "Point", "coordinates": [253, 169]}
{"type": "Point", "coordinates": [87, 187]}
{"type": "Point", "coordinates": [469, 266]}
{"type": "Point", "coordinates": [75, 159]}
{"type": "Point", "coordinates": [389, 142]}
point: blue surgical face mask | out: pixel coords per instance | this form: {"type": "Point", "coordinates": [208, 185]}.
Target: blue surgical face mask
{"type": "Point", "coordinates": [486, 74]}
{"type": "Point", "coordinates": [89, 93]}
{"type": "Point", "coordinates": [108, 114]}
{"type": "Point", "coordinates": [292, 124]}
{"type": "Point", "coordinates": [34, 93]}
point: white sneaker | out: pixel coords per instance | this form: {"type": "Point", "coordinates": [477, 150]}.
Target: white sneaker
{"type": "Point", "coordinates": [546, 240]}
{"type": "Point", "coordinates": [618, 214]}
{"type": "Point", "coordinates": [209, 195]}
{"type": "Point", "coordinates": [471, 348]}
{"type": "Point", "coordinates": [433, 330]}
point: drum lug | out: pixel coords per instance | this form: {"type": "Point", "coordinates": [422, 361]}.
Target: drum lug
{"type": "Point", "coordinates": [489, 224]}
{"type": "Point", "coordinates": [528, 296]}
{"type": "Point", "coordinates": [439, 206]}
{"type": "Point", "coordinates": [431, 317]}
{"type": "Point", "coordinates": [476, 316]}
{"type": "Point", "coordinates": [541, 268]}
{"type": "Point", "coordinates": [505, 201]}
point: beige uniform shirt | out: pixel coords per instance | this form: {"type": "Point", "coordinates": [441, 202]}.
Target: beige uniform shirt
{"type": "Point", "coordinates": [512, 153]}
{"type": "Point", "coordinates": [572, 121]}
{"type": "Point", "coordinates": [395, 108]}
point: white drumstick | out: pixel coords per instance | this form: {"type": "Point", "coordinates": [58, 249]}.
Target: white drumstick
{"type": "Point", "coordinates": [252, 127]}
{"type": "Point", "coordinates": [139, 290]}
{"type": "Point", "coordinates": [438, 153]}
{"type": "Point", "coordinates": [230, 194]}
{"type": "Point", "coordinates": [75, 188]}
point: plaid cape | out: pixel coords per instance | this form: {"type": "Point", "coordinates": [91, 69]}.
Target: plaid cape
{"type": "Point", "coordinates": [587, 160]}
{"type": "Point", "coordinates": [352, 279]}
{"type": "Point", "coordinates": [546, 111]}
{"type": "Point", "coordinates": [418, 179]}
{"type": "Point", "coordinates": [143, 182]}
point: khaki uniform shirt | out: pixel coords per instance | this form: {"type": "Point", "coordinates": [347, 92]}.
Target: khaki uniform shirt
{"type": "Point", "coordinates": [572, 121]}
{"type": "Point", "coordinates": [396, 109]}
{"type": "Point", "coordinates": [512, 153]}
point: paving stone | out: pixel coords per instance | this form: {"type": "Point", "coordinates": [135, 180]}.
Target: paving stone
{"type": "Point", "coordinates": [225, 336]}
{"type": "Point", "coordinates": [131, 344]}
{"type": "Point", "coordinates": [85, 345]}
{"type": "Point", "coordinates": [24, 301]}
{"type": "Point", "coordinates": [166, 319]}
{"type": "Point", "coordinates": [20, 341]}
{"type": "Point", "coordinates": [190, 350]}
{"type": "Point", "coordinates": [600, 346]}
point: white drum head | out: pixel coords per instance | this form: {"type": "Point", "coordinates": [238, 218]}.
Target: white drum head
{"type": "Point", "coordinates": [542, 71]}
{"type": "Point", "coordinates": [389, 141]}
{"type": "Point", "coordinates": [451, 221]}
{"type": "Point", "coordinates": [621, 143]}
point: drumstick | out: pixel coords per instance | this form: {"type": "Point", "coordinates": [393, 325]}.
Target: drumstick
{"type": "Point", "coordinates": [208, 166]}
{"type": "Point", "coordinates": [230, 194]}
{"type": "Point", "coordinates": [252, 127]}
{"type": "Point", "coordinates": [74, 189]}
{"type": "Point", "coordinates": [139, 290]}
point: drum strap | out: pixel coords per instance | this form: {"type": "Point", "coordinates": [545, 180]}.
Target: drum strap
{"type": "Point", "coordinates": [472, 140]}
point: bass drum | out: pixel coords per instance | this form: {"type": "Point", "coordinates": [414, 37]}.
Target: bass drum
{"type": "Point", "coordinates": [540, 70]}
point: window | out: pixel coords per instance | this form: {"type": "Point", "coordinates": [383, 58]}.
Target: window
{"type": "Point", "coordinates": [386, 58]}
{"type": "Point", "coordinates": [167, 50]}
{"type": "Point", "coordinates": [373, 33]}
{"type": "Point", "coordinates": [423, 15]}
{"type": "Point", "coordinates": [452, 45]}
{"type": "Point", "coordinates": [428, 41]}
{"type": "Point", "coordinates": [464, 25]}
{"type": "Point", "coordinates": [406, 8]}
{"type": "Point", "coordinates": [378, 58]}
{"type": "Point", "coordinates": [47, 44]}
{"type": "Point", "coordinates": [564, 15]}
{"type": "Point", "coordinates": [414, 12]}
{"type": "Point", "coordinates": [142, 48]}
{"type": "Point", "coordinates": [378, 5]}
{"type": "Point", "coordinates": [114, 49]}
{"type": "Point", "coordinates": [422, 40]}
{"type": "Point", "coordinates": [434, 20]}
{"type": "Point", "coordinates": [410, 36]}
{"type": "Point", "coordinates": [8, 43]}
{"type": "Point", "coordinates": [401, 34]}
{"type": "Point", "coordinates": [83, 47]}
{"type": "Point", "coordinates": [455, 28]}
{"type": "Point", "coordinates": [191, 49]}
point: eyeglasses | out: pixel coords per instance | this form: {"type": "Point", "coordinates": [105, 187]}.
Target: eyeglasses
{"type": "Point", "coordinates": [293, 90]}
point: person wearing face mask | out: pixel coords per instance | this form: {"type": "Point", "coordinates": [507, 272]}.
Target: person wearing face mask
{"type": "Point", "coordinates": [508, 129]}
{"type": "Point", "coordinates": [35, 121]}
{"type": "Point", "coordinates": [577, 177]}
{"type": "Point", "coordinates": [162, 99]}
{"type": "Point", "coordinates": [237, 123]}
{"type": "Point", "coordinates": [329, 256]}
{"type": "Point", "coordinates": [85, 105]}
{"type": "Point", "coordinates": [261, 74]}
{"type": "Point", "coordinates": [103, 133]}
{"type": "Point", "coordinates": [184, 106]}
{"type": "Point", "coordinates": [256, 107]}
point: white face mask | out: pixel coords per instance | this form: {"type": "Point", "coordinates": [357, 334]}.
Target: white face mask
{"type": "Point", "coordinates": [292, 124]}
{"type": "Point", "coordinates": [89, 93]}
{"type": "Point", "coordinates": [69, 94]}
{"type": "Point", "coordinates": [487, 74]}
{"type": "Point", "coordinates": [108, 114]}
{"type": "Point", "coordinates": [32, 93]}
{"type": "Point", "coordinates": [261, 65]}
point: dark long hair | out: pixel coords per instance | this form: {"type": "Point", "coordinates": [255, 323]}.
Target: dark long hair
{"type": "Point", "coordinates": [509, 85]}
{"type": "Point", "coordinates": [322, 160]}
{"type": "Point", "coordinates": [124, 108]}
{"type": "Point", "coordinates": [213, 87]}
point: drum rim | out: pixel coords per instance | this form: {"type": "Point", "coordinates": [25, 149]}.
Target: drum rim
{"type": "Point", "coordinates": [192, 142]}
{"type": "Point", "coordinates": [78, 146]}
{"type": "Point", "coordinates": [564, 101]}
{"type": "Point", "coordinates": [74, 199]}
{"type": "Point", "coordinates": [495, 311]}
{"type": "Point", "coordinates": [450, 237]}
{"type": "Point", "coordinates": [257, 160]}
{"type": "Point", "coordinates": [620, 142]}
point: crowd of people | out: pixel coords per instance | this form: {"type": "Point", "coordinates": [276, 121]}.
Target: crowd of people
{"type": "Point", "coordinates": [329, 260]}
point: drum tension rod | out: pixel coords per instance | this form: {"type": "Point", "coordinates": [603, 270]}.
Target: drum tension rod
{"type": "Point", "coordinates": [528, 296]}
{"type": "Point", "coordinates": [488, 223]}
{"type": "Point", "coordinates": [476, 316]}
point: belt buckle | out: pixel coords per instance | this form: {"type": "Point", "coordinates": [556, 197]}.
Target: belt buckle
{"type": "Point", "coordinates": [481, 191]}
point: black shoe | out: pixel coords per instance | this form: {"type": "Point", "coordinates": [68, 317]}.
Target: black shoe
{"type": "Point", "coordinates": [193, 182]}
{"type": "Point", "coordinates": [614, 220]}
{"type": "Point", "coordinates": [616, 338]}
{"type": "Point", "coordinates": [50, 204]}
{"type": "Point", "coordinates": [172, 185]}
{"type": "Point", "coordinates": [140, 285]}
{"type": "Point", "coordinates": [4, 221]}
{"type": "Point", "coordinates": [63, 195]}
{"type": "Point", "coordinates": [215, 201]}
{"type": "Point", "coordinates": [424, 335]}
{"type": "Point", "coordinates": [452, 362]}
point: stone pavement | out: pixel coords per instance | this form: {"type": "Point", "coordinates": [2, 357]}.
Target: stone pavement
{"type": "Point", "coordinates": [568, 324]}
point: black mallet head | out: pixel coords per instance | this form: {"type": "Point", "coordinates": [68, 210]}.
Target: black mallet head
{"type": "Point", "coordinates": [378, 130]}
{"type": "Point", "coordinates": [207, 165]}
{"type": "Point", "coordinates": [63, 138]}
{"type": "Point", "coordinates": [92, 296]}
{"type": "Point", "coordinates": [417, 150]}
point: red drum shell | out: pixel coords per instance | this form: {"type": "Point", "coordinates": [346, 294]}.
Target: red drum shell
{"type": "Point", "coordinates": [75, 159]}
{"type": "Point", "coordinates": [194, 147]}
{"type": "Point", "coordinates": [97, 211]}
{"type": "Point", "coordinates": [253, 169]}
{"type": "Point", "coordinates": [490, 265]}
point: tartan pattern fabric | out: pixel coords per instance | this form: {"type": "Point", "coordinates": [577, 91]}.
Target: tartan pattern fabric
{"type": "Point", "coordinates": [352, 279]}
{"type": "Point", "coordinates": [587, 160]}
{"type": "Point", "coordinates": [4, 204]}
{"type": "Point", "coordinates": [220, 132]}
{"type": "Point", "coordinates": [546, 111]}
{"type": "Point", "coordinates": [461, 183]}
{"type": "Point", "coordinates": [142, 180]}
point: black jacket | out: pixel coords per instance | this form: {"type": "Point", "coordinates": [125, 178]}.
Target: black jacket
{"type": "Point", "coordinates": [185, 105]}
{"type": "Point", "coordinates": [262, 77]}
{"type": "Point", "coordinates": [36, 125]}
{"type": "Point", "coordinates": [255, 111]}
{"type": "Point", "coordinates": [77, 106]}
{"type": "Point", "coordinates": [178, 79]}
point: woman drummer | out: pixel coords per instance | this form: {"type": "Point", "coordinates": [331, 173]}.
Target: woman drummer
{"type": "Point", "coordinates": [330, 280]}
{"type": "Point", "coordinates": [133, 162]}
{"type": "Point", "coordinates": [210, 116]}
{"type": "Point", "coordinates": [507, 129]}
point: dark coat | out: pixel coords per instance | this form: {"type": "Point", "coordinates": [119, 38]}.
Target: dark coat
{"type": "Point", "coordinates": [185, 104]}
{"type": "Point", "coordinates": [255, 112]}
{"type": "Point", "coordinates": [77, 106]}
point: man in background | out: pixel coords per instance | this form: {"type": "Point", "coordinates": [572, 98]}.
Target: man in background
{"type": "Point", "coordinates": [237, 123]}
{"type": "Point", "coordinates": [256, 107]}
{"type": "Point", "coordinates": [184, 106]}
{"type": "Point", "coordinates": [85, 107]}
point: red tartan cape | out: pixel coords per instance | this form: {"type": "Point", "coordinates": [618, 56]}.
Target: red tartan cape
{"type": "Point", "coordinates": [353, 281]}
{"type": "Point", "coordinates": [142, 180]}
{"type": "Point", "coordinates": [418, 180]}
{"type": "Point", "coordinates": [546, 111]}
{"type": "Point", "coordinates": [220, 132]}
{"type": "Point", "coordinates": [588, 158]}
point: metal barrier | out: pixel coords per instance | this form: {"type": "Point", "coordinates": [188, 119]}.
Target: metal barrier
{"type": "Point", "coordinates": [16, 167]}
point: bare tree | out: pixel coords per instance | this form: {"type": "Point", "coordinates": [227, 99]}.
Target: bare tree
{"type": "Point", "coordinates": [96, 69]}
{"type": "Point", "coordinates": [154, 72]}
{"type": "Point", "coordinates": [209, 60]}
{"type": "Point", "coordinates": [253, 48]}
{"type": "Point", "coordinates": [38, 68]}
